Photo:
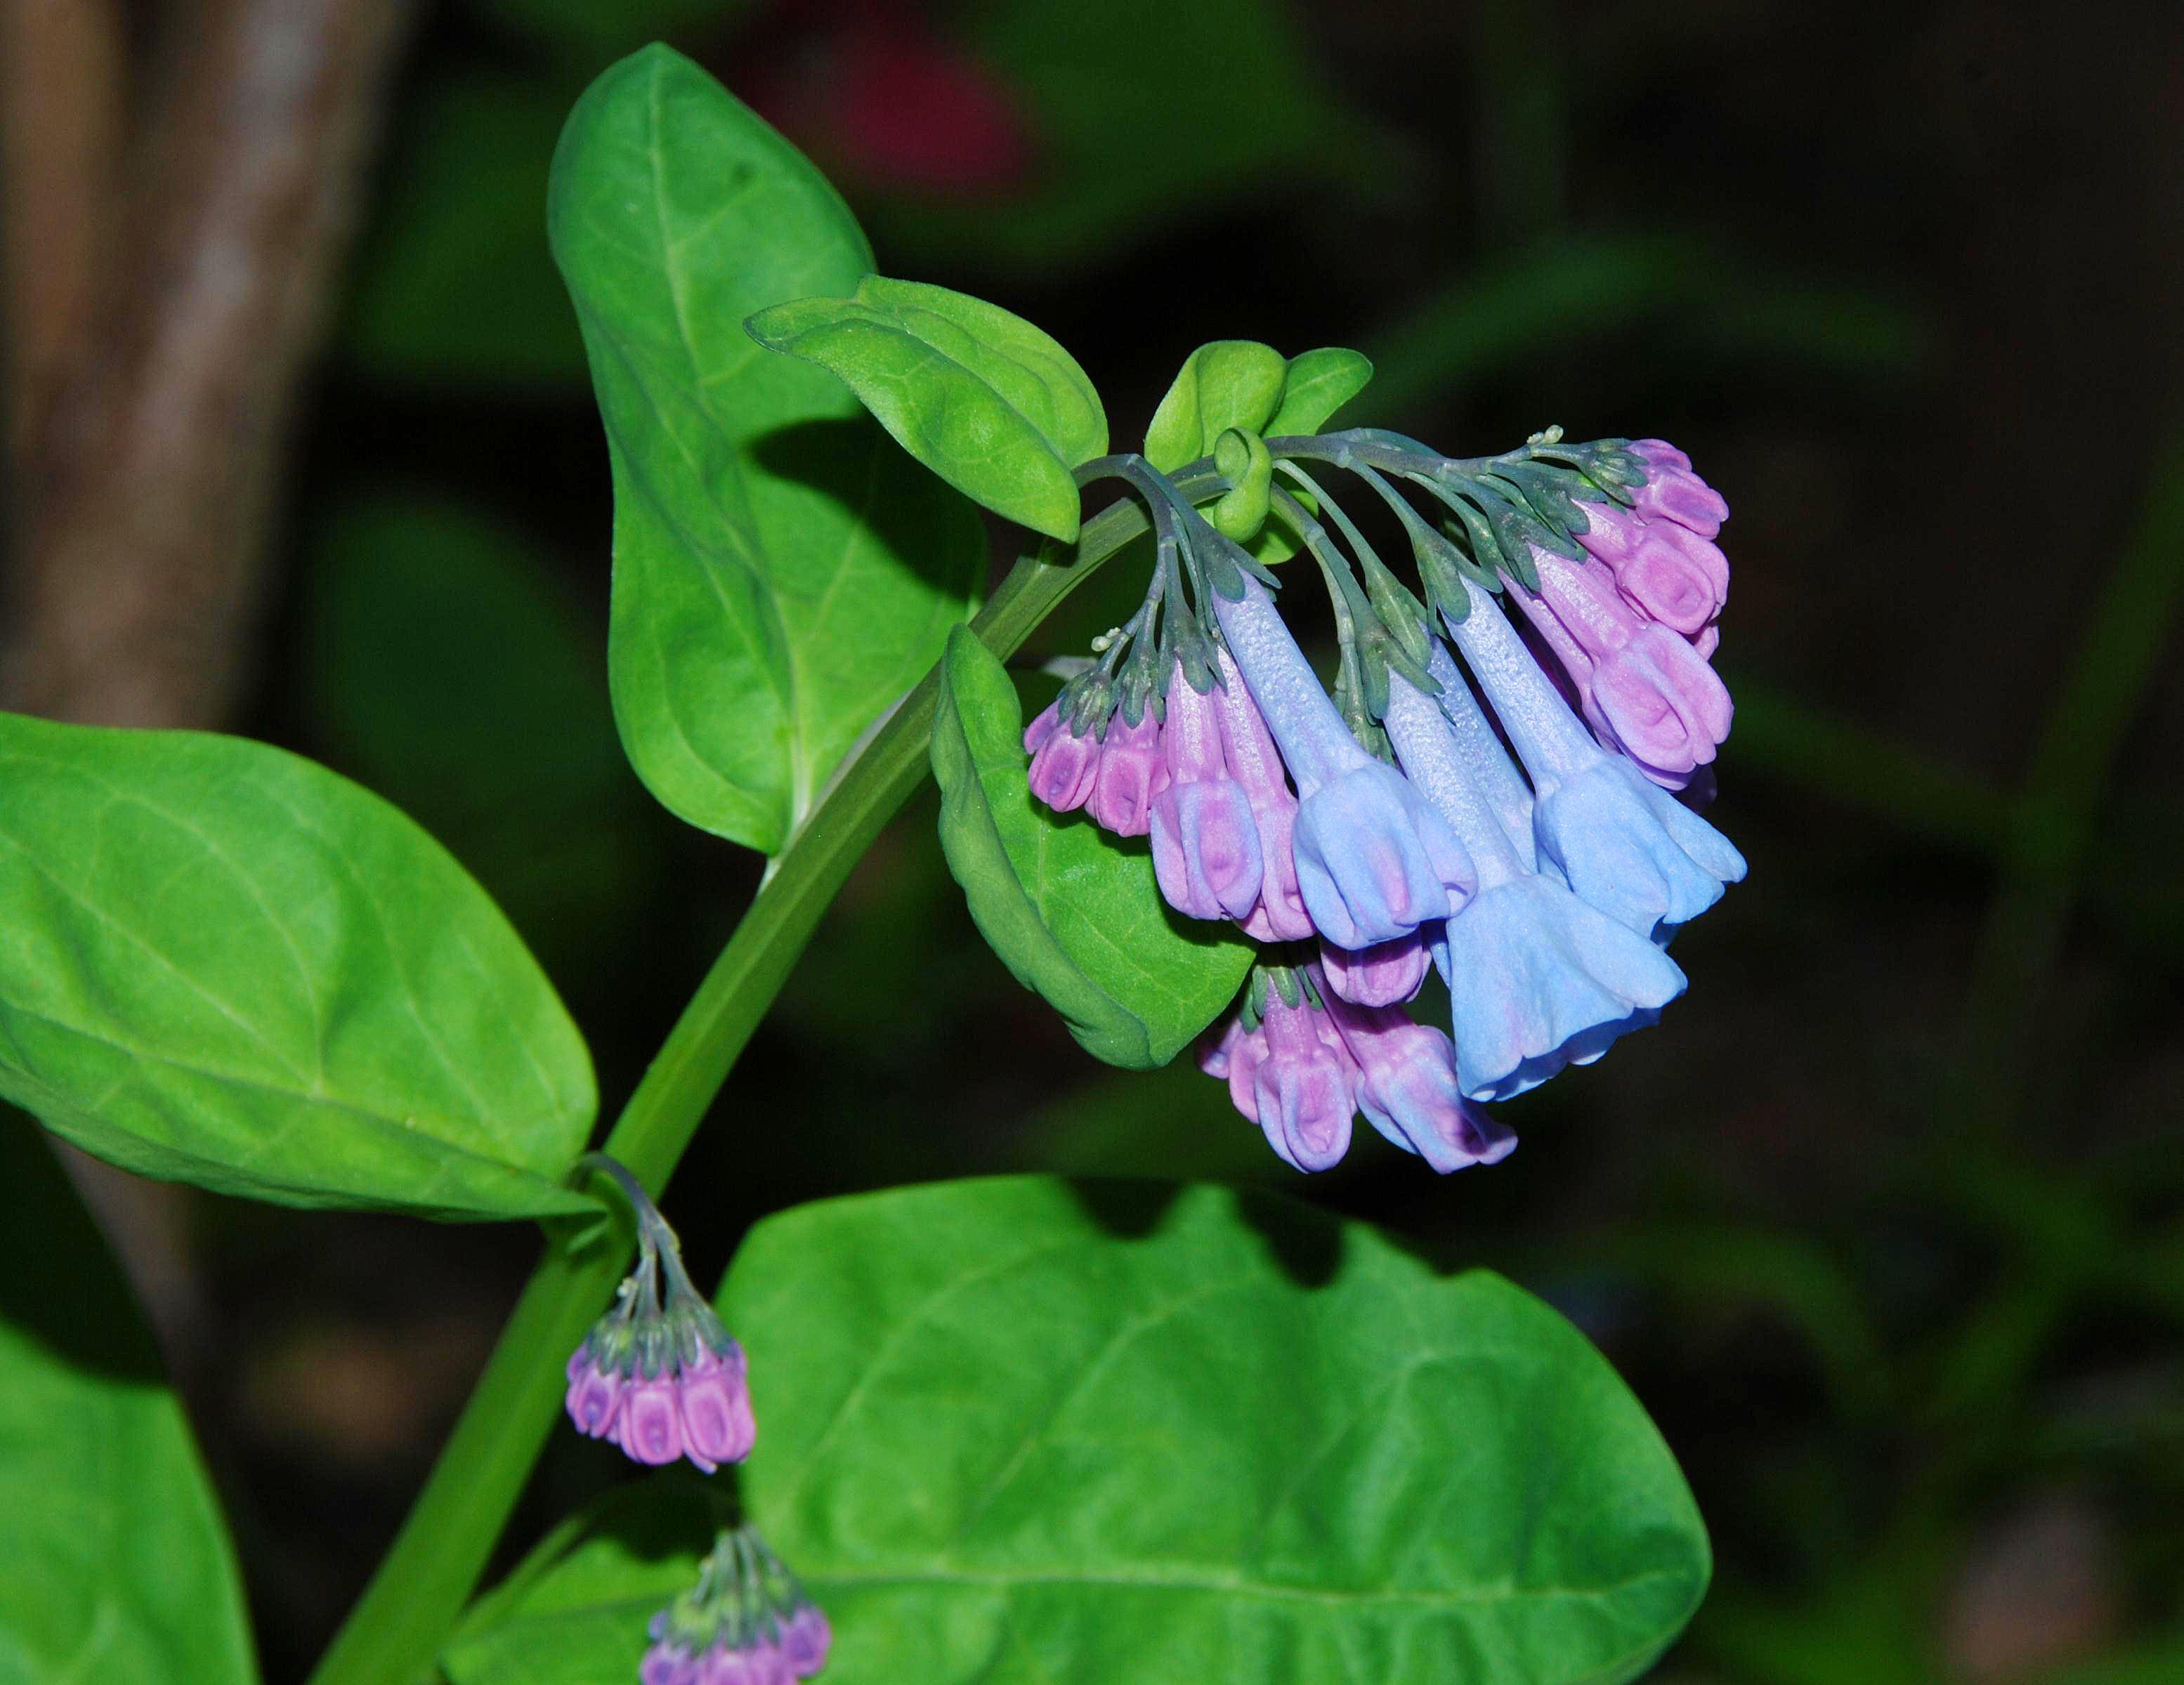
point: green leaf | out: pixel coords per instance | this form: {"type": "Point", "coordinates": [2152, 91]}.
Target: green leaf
{"type": "Point", "coordinates": [1228, 383]}
{"type": "Point", "coordinates": [1074, 913]}
{"type": "Point", "coordinates": [982, 397]}
{"type": "Point", "coordinates": [1317, 384]}
{"type": "Point", "coordinates": [119, 1566]}
{"type": "Point", "coordinates": [222, 964]}
{"type": "Point", "coordinates": [783, 572]}
{"type": "Point", "coordinates": [1025, 1430]}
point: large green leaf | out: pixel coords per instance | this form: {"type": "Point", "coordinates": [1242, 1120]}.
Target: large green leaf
{"type": "Point", "coordinates": [118, 1566]}
{"type": "Point", "coordinates": [985, 399]}
{"type": "Point", "coordinates": [1071, 911]}
{"type": "Point", "coordinates": [783, 572]}
{"type": "Point", "coordinates": [220, 964]}
{"type": "Point", "coordinates": [1023, 1430]}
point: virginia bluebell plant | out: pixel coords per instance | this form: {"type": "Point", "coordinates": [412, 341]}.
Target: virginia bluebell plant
{"type": "Point", "coordinates": [1495, 797]}
{"type": "Point", "coordinates": [1007, 1439]}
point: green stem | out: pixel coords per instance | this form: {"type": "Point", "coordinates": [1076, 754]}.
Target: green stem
{"type": "Point", "coordinates": [413, 1601]}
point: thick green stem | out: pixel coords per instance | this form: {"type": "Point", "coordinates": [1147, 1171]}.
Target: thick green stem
{"type": "Point", "coordinates": [412, 1603]}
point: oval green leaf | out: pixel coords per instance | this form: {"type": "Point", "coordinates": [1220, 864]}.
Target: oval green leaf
{"type": "Point", "coordinates": [783, 572]}
{"type": "Point", "coordinates": [119, 1565]}
{"type": "Point", "coordinates": [1228, 383]}
{"type": "Point", "coordinates": [1073, 913]}
{"type": "Point", "coordinates": [222, 964]}
{"type": "Point", "coordinates": [1025, 1430]}
{"type": "Point", "coordinates": [989, 403]}
{"type": "Point", "coordinates": [1319, 384]}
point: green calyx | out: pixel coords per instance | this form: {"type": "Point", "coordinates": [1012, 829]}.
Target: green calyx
{"type": "Point", "coordinates": [744, 1595]}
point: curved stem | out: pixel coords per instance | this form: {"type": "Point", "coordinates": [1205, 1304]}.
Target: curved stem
{"type": "Point", "coordinates": [406, 1612]}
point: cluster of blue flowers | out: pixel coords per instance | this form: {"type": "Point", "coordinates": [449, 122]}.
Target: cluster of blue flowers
{"type": "Point", "coordinates": [1495, 797]}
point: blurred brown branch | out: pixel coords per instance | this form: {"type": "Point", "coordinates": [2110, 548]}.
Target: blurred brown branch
{"type": "Point", "coordinates": [164, 313]}
{"type": "Point", "coordinates": [171, 242]}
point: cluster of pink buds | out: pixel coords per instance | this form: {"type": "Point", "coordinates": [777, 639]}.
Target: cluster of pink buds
{"type": "Point", "coordinates": [658, 1374]}
{"type": "Point", "coordinates": [1633, 623]}
{"type": "Point", "coordinates": [746, 1621]}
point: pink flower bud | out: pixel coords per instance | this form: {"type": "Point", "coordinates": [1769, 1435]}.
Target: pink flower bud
{"type": "Point", "coordinates": [1063, 768]}
{"type": "Point", "coordinates": [1304, 1088]}
{"type": "Point", "coordinates": [717, 1424]}
{"type": "Point", "coordinates": [1206, 856]}
{"type": "Point", "coordinates": [1130, 763]}
{"type": "Point", "coordinates": [650, 1428]}
{"type": "Point", "coordinates": [1043, 724]}
{"type": "Point", "coordinates": [1673, 493]}
{"type": "Point", "coordinates": [806, 1640]}
{"type": "Point", "coordinates": [594, 1396]}
{"type": "Point", "coordinates": [1386, 974]}
{"type": "Point", "coordinates": [1248, 748]}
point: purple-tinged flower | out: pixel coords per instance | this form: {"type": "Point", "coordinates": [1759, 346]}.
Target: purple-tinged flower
{"type": "Point", "coordinates": [1130, 773]}
{"type": "Point", "coordinates": [1064, 761]}
{"type": "Point", "coordinates": [715, 1404]}
{"type": "Point", "coordinates": [1254, 762]}
{"type": "Point", "coordinates": [1387, 973]}
{"type": "Point", "coordinates": [1206, 856]}
{"type": "Point", "coordinates": [668, 1663]}
{"type": "Point", "coordinates": [806, 1640]}
{"type": "Point", "coordinates": [746, 1621]}
{"type": "Point", "coordinates": [1305, 1089]}
{"type": "Point", "coordinates": [1622, 844]}
{"type": "Point", "coordinates": [1289, 1073]}
{"type": "Point", "coordinates": [1407, 1088]}
{"type": "Point", "coordinates": [650, 1429]}
{"type": "Point", "coordinates": [1646, 689]}
{"type": "Point", "coordinates": [594, 1394]}
{"type": "Point", "coordinates": [1373, 862]}
{"type": "Point", "coordinates": [1537, 979]}
{"type": "Point", "coordinates": [662, 1380]}
{"type": "Point", "coordinates": [1673, 493]}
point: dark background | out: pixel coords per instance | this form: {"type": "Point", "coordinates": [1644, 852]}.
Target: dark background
{"type": "Point", "coordinates": [1884, 1223]}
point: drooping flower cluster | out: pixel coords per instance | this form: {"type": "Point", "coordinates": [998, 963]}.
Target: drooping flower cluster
{"type": "Point", "coordinates": [746, 1621]}
{"type": "Point", "coordinates": [1487, 792]}
{"type": "Point", "coordinates": [658, 1374]}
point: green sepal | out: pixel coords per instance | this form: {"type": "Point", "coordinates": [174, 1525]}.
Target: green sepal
{"type": "Point", "coordinates": [1545, 494]}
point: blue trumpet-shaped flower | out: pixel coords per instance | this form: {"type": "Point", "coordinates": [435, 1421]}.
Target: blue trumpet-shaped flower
{"type": "Point", "coordinates": [1537, 978]}
{"type": "Point", "coordinates": [1625, 845]}
{"type": "Point", "coordinates": [1373, 861]}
